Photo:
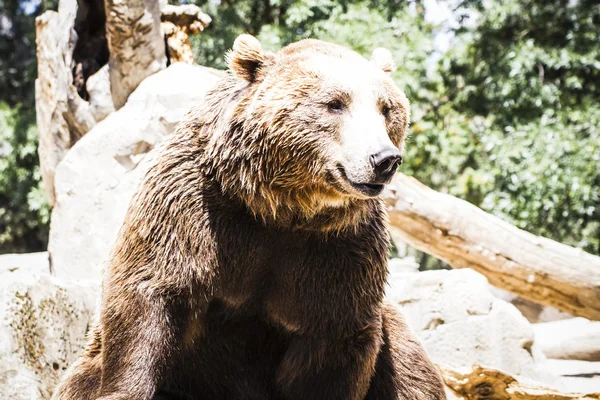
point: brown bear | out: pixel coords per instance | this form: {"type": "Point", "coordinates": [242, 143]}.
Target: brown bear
{"type": "Point", "coordinates": [252, 261]}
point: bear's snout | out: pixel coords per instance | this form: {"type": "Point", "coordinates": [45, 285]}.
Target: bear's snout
{"type": "Point", "coordinates": [385, 163]}
{"type": "Point", "coordinates": [370, 175]}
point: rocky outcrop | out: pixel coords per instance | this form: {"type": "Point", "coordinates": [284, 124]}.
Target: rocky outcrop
{"type": "Point", "coordinates": [404, 265]}
{"type": "Point", "coordinates": [98, 88]}
{"type": "Point", "coordinates": [569, 339]}
{"type": "Point", "coordinates": [462, 323]}
{"type": "Point", "coordinates": [99, 174]}
{"type": "Point", "coordinates": [575, 375]}
{"type": "Point", "coordinates": [486, 348]}
{"type": "Point", "coordinates": [532, 311]}
{"type": "Point", "coordinates": [43, 322]}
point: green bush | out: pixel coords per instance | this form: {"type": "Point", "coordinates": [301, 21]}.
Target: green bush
{"type": "Point", "coordinates": [516, 129]}
{"type": "Point", "coordinates": [24, 212]}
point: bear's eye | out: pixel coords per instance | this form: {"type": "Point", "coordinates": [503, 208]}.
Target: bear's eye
{"type": "Point", "coordinates": [335, 106]}
{"type": "Point", "coordinates": [385, 111]}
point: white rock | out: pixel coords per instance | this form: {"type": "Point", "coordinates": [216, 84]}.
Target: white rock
{"type": "Point", "coordinates": [98, 87]}
{"type": "Point", "coordinates": [533, 312]}
{"type": "Point", "coordinates": [576, 376]}
{"type": "Point", "coordinates": [98, 176]}
{"type": "Point", "coordinates": [31, 262]}
{"type": "Point", "coordinates": [461, 323]}
{"type": "Point", "coordinates": [43, 322]}
{"type": "Point", "coordinates": [574, 368]}
{"type": "Point", "coordinates": [579, 385]}
{"type": "Point", "coordinates": [402, 265]}
{"type": "Point", "coordinates": [575, 338]}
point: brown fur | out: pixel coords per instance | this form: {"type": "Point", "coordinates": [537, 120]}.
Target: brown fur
{"type": "Point", "coordinates": [243, 270]}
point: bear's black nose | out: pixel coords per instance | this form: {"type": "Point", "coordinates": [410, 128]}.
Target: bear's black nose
{"type": "Point", "coordinates": [385, 163]}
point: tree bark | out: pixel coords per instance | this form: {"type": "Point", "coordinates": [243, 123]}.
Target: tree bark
{"type": "Point", "coordinates": [54, 138]}
{"type": "Point", "coordinates": [464, 236]}
{"type": "Point", "coordinates": [73, 89]}
{"type": "Point", "coordinates": [136, 45]}
{"type": "Point", "coordinates": [62, 116]}
{"type": "Point", "coordinates": [178, 23]}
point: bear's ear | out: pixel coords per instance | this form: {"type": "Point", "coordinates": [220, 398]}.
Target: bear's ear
{"type": "Point", "coordinates": [383, 59]}
{"type": "Point", "coordinates": [246, 57]}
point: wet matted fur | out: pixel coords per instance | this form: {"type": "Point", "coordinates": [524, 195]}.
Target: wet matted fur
{"type": "Point", "coordinates": [247, 267]}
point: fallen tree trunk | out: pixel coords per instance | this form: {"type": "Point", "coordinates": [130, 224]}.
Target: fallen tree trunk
{"type": "Point", "coordinates": [464, 236]}
{"type": "Point", "coordinates": [485, 383]}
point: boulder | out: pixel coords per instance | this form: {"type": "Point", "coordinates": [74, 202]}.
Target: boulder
{"type": "Point", "coordinates": [532, 311]}
{"type": "Point", "coordinates": [461, 323]}
{"type": "Point", "coordinates": [575, 375]}
{"type": "Point", "coordinates": [569, 339]}
{"type": "Point", "coordinates": [43, 323]}
{"type": "Point", "coordinates": [405, 265]}
{"type": "Point", "coordinates": [98, 88]}
{"type": "Point", "coordinates": [30, 262]}
{"type": "Point", "coordinates": [98, 176]}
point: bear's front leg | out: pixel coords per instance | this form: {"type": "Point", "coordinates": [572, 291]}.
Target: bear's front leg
{"type": "Point", "coordinates": [140, 331]}
{"type": "Point", "coordinates": [322, 367]}
{"type": "Point", "coordinates": [403, 370]}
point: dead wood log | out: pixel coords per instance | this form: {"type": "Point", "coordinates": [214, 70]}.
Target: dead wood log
{"type": "Point", "coordinates": [62, 116]}
{"type": "Point", "coordinates": [73, 89]}
{"type": "Point", "coordinates": [464, 236]}
{"type": "Point", "coordinates": [178, 23]}
{"type": "Point", "coordinates": [490, 384]}
{"type": "Point", "coordinates": [136, 45]}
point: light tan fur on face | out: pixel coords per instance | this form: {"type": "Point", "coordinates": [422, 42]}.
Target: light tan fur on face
{"type": "Point", "coordinates": [285, 120]}
{"type": "Point", "coordinates": [363, 129]}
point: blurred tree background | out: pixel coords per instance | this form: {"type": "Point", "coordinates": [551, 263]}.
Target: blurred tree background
{"type": "Point", "coordinates": [24, 213]}
{"type": "Point", "coordinates": [506, 118]}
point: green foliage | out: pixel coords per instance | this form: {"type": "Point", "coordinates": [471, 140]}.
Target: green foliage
{"type": "Point", "coordinates": [517, 130]}
{"type": "Point", "coordinates": [280, 22]}
{"type": "Point", "coordinates": [18, 67]}
{"type": "Point", "coordinates": [24, 212]}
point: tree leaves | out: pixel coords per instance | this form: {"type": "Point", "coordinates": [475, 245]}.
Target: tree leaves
{"type": "Point", "coordinates": [525, 74]}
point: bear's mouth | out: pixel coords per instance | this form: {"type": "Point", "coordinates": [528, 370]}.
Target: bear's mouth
{"type": "Point", "coordinates": [367, 189]}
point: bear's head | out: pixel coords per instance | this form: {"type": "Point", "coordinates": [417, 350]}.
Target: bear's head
{"type": "Point", "coordinates": [315, 127]}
